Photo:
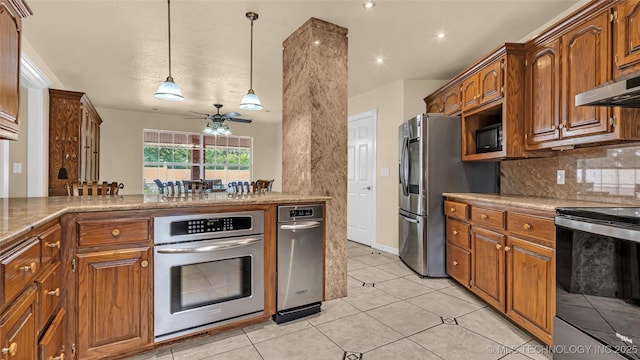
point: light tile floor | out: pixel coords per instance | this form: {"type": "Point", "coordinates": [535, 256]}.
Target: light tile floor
{"type": "Point", "coordinates": [389, 313]}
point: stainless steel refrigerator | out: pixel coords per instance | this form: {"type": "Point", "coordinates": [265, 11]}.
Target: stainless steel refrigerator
{"type": "Point", "coordinates": [430, 164]}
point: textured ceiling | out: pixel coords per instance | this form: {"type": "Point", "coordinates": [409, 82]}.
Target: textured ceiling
{"type": "Point", "coordinates": [116, 51]}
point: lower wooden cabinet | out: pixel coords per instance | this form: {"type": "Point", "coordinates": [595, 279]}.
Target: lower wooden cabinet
{"type": "Point", "coordinates": [51, 345]}
{"type": "Point", "coordinates": [511, 262]}
{"type": "Point", "coordinates": [113, 292]}
{"type": "Point", "coordinates": [530, 285]}
{"type": "Point", "coordinates": [18, 327]}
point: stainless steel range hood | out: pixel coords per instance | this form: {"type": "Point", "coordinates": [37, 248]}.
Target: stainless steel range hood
{"type": "Point", "coordinates": [623, 93]}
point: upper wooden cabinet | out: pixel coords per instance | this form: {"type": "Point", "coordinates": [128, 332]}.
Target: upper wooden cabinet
{"type": "Point", "coordinates": [484, 86]}
{"type": "Point", "coordinates": [446, 101]}
{"type": "Point", "coordinates": [74, 139]}
{"type": "Point", "coordinates": [11, 14]}
{"type": "Point", "coordinates": [626, 36]}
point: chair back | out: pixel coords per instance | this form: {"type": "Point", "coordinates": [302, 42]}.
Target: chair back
{"type": "Point", "coordinates": [263, 185]}
{"type": "Point", "coordinates": [86, 188]}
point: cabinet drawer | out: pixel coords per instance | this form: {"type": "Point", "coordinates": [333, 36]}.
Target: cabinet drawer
{"type": "Point", "coordinates": [488, 217]}
{"type": "Point", "coordinates": [50, 242]}
{"type": "Point", "coordinates": [459, 264]}
{"type": "Point", "coordinates": [533, 226]}
{"type": "Point", "coordinates": [456, 210]}
{"type": "Point", "coordinates": [458, 233]}
{"type": "Point", "coordinates": [19, 268]}
{"type": "Point", "coordinates": [105, 232]}
{"type": "Point", "coordinates": [51, 345]}
{"type": "Point", "coordinates": [50, 288]}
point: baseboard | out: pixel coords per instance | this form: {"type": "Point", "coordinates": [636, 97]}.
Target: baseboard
{"type": "Point", "coordinates": [385, 248]}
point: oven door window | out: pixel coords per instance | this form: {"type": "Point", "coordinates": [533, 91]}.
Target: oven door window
{"type": "Point", "coordinates": [208, 283]}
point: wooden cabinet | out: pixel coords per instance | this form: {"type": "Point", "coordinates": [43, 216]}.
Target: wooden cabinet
{"type": "Point", "coordinates": [74, 139]}
{"type": "Point", "coordinates": [507, 258]}
{"type": "Point", "coordinates": [446, 101]}
{"type": "Point", "coordinates": [626, 37]}
{"type": "Point", "coordinates": [52, 343]}
{"type": "Point", "coordinates": [11, 14]}
{"type": "Point", "coordinates": [543, 94]}
{"type": "Point", "coordinates": [113, 283]}
{"type": "Point", "coordinates": [530, 284]}
{"type": "Point", "coordinates": [484, 86]}
{"type": "Point", "coordinates": [469, 90]}
{"type": "Point", "coordinates": [434, 105]}
{"type": "Point", "coordinates": [18, 327]}
{"type": "Point", "coordinates": [487, 258]}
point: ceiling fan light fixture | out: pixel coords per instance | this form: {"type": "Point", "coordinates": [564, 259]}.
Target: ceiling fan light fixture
{"type": "Point", "coordinates": [251, 100]}
{"type": "Point", "coordinates": [169, 90]}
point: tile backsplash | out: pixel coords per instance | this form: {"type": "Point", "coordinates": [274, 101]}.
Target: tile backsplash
{"type": "Point", "coordinates": [604, 174]}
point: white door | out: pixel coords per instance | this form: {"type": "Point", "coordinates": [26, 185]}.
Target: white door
{"type": "Point", "coordinates": [361, 193]}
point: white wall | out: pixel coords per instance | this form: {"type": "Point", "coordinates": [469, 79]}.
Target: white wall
{"type": "Point", "coordinates": [121, 145]}
{"type": "Point", "coordinates": [395, 103]}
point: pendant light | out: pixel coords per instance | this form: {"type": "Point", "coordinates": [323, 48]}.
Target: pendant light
{"type": "Point", "coordinates": [251, 100]}
{"type": "Point", "coordinates": [169, 90]}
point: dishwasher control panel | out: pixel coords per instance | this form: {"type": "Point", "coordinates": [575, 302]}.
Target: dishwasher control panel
{"type": "Point", "coordinates": [300, 212]}
{"type": "Point", "coordinates": [210, 225]}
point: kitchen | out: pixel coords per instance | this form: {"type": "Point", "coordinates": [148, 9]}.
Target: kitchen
{"type": "Point", "coordinates": [385, 231]}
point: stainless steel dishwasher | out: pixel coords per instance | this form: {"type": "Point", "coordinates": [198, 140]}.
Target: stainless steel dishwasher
{"type": "Point", "coordinates": [299, 262]}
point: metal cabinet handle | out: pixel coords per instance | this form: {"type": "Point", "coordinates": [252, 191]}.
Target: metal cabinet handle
{"type": "Point", "coordinates": [144, 263]}
{"type": "Point", "coordinates": [455, 232]}
{"type": "Point", "coordinates": [561, 126]}
{"type": "Point", "coordinates": [53, 245]}
{"type": "Point", "coordinates": [366, 188]}
{"type": "Point", "coordinates": [484, 216]}
{"type": "Point", "coordinates": [553, 127]}
{"type": "Point", "coordinates": [115, 232]}
{"type": "Point", "coordinates": [221, 245]}
{"type": "Point", "coordinates": [506, 248]}
{"type": "Point", "coordinates": [308, 225]}
{"type": "Point", "coordinates": [55, 292]}
{"type": "Point", "coordinates": [452, 209]}
{"type": "Point", "coordinates": [498, 246]}
{"type": "Point", "coordinates": [29, 268]}
{"type": "Point", "coordinates": [12, 349]}
{"type": "Point", "coordinates": [527, 226]}
{"type": "Point", "coordinates": [455, 263]}
{"type": "Point", "coordinates": [59, 357]}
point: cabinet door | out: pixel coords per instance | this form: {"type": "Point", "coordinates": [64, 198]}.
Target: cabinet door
{"type": "Point", "coordinates": [470, 92]}
{"type": "Point", "coordinates": [18, 338]}
{"type": "Point", "coordinates": [451, 101]}
{"type": "Point", "coordinates": [530, 284]}
{"type": "Point", "coordinates": [586, 64]}
{"type": "Point", "coordinates": [488, 266]}
{"type": "Point", "coordinates": [543, 94]}
{"type": "Point", "coordinates": [434, 105]}
{"type": "Point", "coordinates": [9, 70]}
{"type": "Point", "coordinates": [627, 35]}
{"type": "Point", "coordinates": [459, 264]}
{"type": "Point", "coordinates": [113, 302]}
{"type": "Point", "coordinates": [52, 342]}
{"type": "Point", "coordinates": [490, 80]}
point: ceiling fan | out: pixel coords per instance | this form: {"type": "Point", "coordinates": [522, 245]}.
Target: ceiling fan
{"type": "Point", "coordinates": [217, 125]}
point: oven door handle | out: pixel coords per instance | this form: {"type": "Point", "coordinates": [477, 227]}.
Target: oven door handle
{"type": "Point", "coordinates": [304, 226]}
{"type": "Point", "coordinates": [221, 246]}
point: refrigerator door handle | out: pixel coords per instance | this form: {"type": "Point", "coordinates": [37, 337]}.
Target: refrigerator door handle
{"type": "Point", "coordinates": [404, 166]}
{"type": "Point", "coordinates": [408, 219]}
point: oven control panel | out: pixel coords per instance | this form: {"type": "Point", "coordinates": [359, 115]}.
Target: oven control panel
{"type": "Point", "coordinates": [210, 225]}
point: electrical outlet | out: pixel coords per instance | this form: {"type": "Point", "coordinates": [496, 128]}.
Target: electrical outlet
{"type": "Point", "coordinates": [17, 168]}
{"type": "Point", "coordinates": [560, 177]}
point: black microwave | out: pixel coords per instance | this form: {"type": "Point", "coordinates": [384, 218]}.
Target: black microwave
{"type": "Point", "coordinates": [489, 139]}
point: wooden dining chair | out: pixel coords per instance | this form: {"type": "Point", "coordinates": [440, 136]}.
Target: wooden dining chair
{"type": "Point", "coordinates": [86, 188]}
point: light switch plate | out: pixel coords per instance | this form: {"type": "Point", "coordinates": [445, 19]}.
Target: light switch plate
{"type": "Point", "coordinates": [560, 177]}
{"type": "Point", "coordinates": [384, 172]}
{"type": "Point", "coordinates": [17, 168]}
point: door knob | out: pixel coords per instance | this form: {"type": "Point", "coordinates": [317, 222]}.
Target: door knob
{"type": "Point", "coordinates": [366, 188]}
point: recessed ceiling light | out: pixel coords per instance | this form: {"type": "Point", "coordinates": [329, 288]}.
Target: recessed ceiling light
{"type": "Point", "coordinates": [441, 36]}
{"type": "Point", "coordinates": [317, 42]}
{"type": "Point", "coordinates": [379, 60]}
{"type": "Point", "coordinates": [368, 4]}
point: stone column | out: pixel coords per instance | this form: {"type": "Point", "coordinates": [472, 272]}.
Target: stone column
{"type": "Point", "coordinates": [314, 133]}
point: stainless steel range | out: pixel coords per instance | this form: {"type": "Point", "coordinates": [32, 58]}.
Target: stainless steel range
{"type": "Point", "coordinates": [209, 270]}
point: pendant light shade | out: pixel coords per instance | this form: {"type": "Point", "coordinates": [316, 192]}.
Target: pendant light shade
{"type": "Point", "coordinates": [251, 100]}
{"type": "Point", "coordinates": [169, 90]}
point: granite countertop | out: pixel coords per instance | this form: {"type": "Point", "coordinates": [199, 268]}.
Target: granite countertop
{"type": "Point", "coordinates": [21, 215]}
{"type": "Point", "coordinates": [528, 202]}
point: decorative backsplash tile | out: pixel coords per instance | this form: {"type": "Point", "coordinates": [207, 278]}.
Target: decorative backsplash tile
{"type": "Point", "coordinates": [605, 174]}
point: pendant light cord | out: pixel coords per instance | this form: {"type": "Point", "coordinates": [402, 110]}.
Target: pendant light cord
{"type": "Point", "coordinates": [169, 22]}
{"type": "Point", "coordinates": [251, 59]}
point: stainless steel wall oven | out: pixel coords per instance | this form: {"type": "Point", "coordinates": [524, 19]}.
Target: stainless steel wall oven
{"type": "Point", "coordinates": [208, 269]}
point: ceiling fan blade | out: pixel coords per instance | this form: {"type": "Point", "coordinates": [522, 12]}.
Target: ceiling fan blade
{"type": "Point", "coordinates": [246, 121]}
{"type": "Point", "coordinates": [204, 118]}
{"type": "Point", "coordinates": [231, 114]}
{"type": "Point", "coordinates": [195, 112]}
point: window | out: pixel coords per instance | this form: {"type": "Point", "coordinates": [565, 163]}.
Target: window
{"type": "Point", "coordinates": [176, 158]}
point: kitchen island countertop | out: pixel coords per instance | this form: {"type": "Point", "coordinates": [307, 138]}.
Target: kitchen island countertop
{"type": "Point", "coordinates": [20, 215]}
{"type": "Point", "coordinates": [527, 202]}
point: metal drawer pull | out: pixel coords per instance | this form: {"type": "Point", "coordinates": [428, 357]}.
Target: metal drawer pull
{"type": "Point", "coordinates": [455, 232]}
{"type": "Point", "coordinates": [55, 292]}
{"type": "Point", "coordinates": [455, 263]}
{"type": "Point", "coordinates": [309, 225]}
{"type": "Point", "coordinates": [527, 226]}
{"type": "Point", "coordinates": [506, 248]}
{"type": "Point", "coordinates": [59, 357]}
{"type": "Point", "coordinates": [484, 216]}
{"type": "Point", "coordinates": [115, 232]}
{"type": "Point", "coordinates": [452, 210]}
{"type": "Point", "coordinates": [144, 263]}
{"type": "Point", "coordinates": [29, 268]}
{"type": "Point", "coordinates": [53, 245]}
{"type": "Point", "coordinates": [12, 349]}
{"type": "Point", "coordinates": [498, 246]}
